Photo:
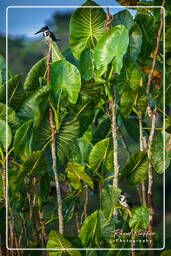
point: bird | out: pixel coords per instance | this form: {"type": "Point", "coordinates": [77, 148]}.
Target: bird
{"type": "Point", "coordinates": [123, 200]}
{"type": "Point", "coordinates": [48, 35]}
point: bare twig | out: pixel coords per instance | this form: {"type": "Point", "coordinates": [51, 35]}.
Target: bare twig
{"type": "Point", "coordinates": [124, 142]}
{"type": "Point", "coordinates": [54, 168]}
{"type": "Point", "coordinates": [155, 51]}
{"type": "Point", "coordinates": [108, 21]}
{"type": "Point", "coordinates": [153, 116]}
{"type": "Point", "coordinates": [143, 188]}
{"type": "Point", "coordinates": [54, 151]}
{"type": "Point", "coordinates": [77, 220]}
{"type": "Point", "coordinates": [42, 223]}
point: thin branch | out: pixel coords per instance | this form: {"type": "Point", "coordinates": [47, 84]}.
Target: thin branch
{"type": "Point", "coordinates": [54, 150]}
{"type": "Point", "coordinates": [155, 51]}
{"type": "Point", "coordinates": [143, 188]}
{"type": "Point", "coordinates": [86, 202]}
{"type": "Point", "coordinates": [54, 168]}
{"type": "Point", "coordinates": [153, 115]}
{"type": "Point", "coordinates": [124, 144]}
{"type": "Point", "coordinates": [78, 225]}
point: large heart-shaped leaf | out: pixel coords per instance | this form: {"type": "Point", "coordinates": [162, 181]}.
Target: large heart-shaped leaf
{"type": "Point", "coordinates": [35, 105]}
{"type": "Point", "coordinates": [21, 138]}
{"type": "Point", "coordinates": [123, 18]}
{"type": "Point", "coordinates": [101, 155]}
{"type": "Point", "coordinates": [13, 119]}
{"type": "Point", "coordinates": [146, 23]}
{"type": "Point", "coordinates": [157, 150]}
{"type": "Point", "coordinates": [136, 169]}
{"type": "Point", "coordinates": [76, 174]}
{"type": "Point", "coordinates": [133, 98]}
{"type": "Point", "coordinates": [135, 41]}
{"type": "Point", "coordinates": [37, 71]}
{"type": "Point", "coordinates": [86, 27]}
{"type": "Point", "coordinates": [90, 231]}
{"type": "Point", "coordinates": [111, 48]}
{"type": "Point", "coordinates": [4, 144]}
{"type": "Point", "coordinates": [80, 151]}
{"type": "Point", "coordinates": [35, 164]}
{"type": "Point", "coordinates": [57, 241]}
{"type": "Point", "coordinates": [140, 218]}
{"type": "Point", "coordinates": [110, 199]}
{"type": "Point", "coordinates": [86, 65]}
{"type": "Point", "coordinates": [130, 76]}
{"type": "Point", "coordinates": [56, 53]}
{"type": "Point", "coordinates": [66, 78]}
{"type": "Point", "coordinates": [102, 129]}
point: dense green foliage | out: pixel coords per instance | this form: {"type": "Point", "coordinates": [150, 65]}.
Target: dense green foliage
{"type": "Point", "coordinates": [79, 93]}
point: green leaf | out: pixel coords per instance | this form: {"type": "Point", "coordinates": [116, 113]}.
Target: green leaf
{"type": "Point", "coordinates": [57, 241]}
{"type": "Point", "coordinates": [135, 41]}
{"type": "Point", "coordinates": [129, 77]}
{"type": "Point", "coordinates": [84, 110]}
{"type": "Point", "coordinates": [123, 18]}
{"type": "Point", "coordinates": [90, 231]}
{"type": "Point", "coordinates": [86, 28]}
{"type": "Point", "coordinates": [80, 151]}
{"type": "Point", "coordinates": [68, 131]}
{"type": "Point", "coordinates": [146, 23]}
{"type": "Point", "coordinates": [35, 164]}
{"type": "Point", "coordinates": [38, 70]}
{"type": "Point", "coordinates": [101, 155]}
{"type": "Point", "coordinates": [56, 53]}
{"type": "Point", "coordinates": [21, 138]}
{"type": "Point", "coordinates": [130, 99]}
{"type": "Point", "coordinates": [13, 120]}
{"type": "Point", "coordinates": [66, 78]}
{"type": "Point", "coordinates": [110, 199]}
{"type": "Point", "coordinates": [70, 58]}
{"type": "Point", "coordinates": [132, 127]}
{"type": "Point", "coordinates": [86, 65]}
{"type": "Point", "coordinates": [35, 105]}
{"type": "Point", "coordinates": [136, 169]}
{"type": "Point", "coordinates": [157, 151]}
{"type": "Point", "coordinates": [102, 129]}
{"type": "Point", "coordinates": [3, 136]}
{"type": "Point", "coordinates": [76, 173]}
{"type": "Point", "coordinates": [140, 218]}
{"type": "Point", "coordinates": [166, 253]}
{"type": "Point", "coordinates": [111, 48]}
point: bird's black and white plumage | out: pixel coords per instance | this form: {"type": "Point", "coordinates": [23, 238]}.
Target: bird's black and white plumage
{"type": "Point", "coordinates": [48, 35]}
{"type": "Point", "coordinates": [123, 200]}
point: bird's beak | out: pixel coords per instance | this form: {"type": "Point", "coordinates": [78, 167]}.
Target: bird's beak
{"type": "Point", "coordinates": [38, 32]}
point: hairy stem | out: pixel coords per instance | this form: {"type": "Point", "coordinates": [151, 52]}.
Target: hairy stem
{"type": "Point", "coordinates": [86, 202]}
{"type": "Point", "coordinates": [42, 223]}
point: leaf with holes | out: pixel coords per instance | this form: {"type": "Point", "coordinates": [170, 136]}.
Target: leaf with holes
{"type": "Point", "coordinates": [86, 27]}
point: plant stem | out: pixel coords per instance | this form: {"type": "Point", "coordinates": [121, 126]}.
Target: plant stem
{"type": "Point", "coordinates": [54, 168]}
{"type": "Point", "coordinates": [143, 189]}
{"type": "Point", "coordinates": [42, 223]}
{"type": "Point", "coordinates": [153, 116]}
{"type": "Point", "coordinates": [86, 202]}
{"type": "Point", "coordinates": [78, 226]}
{"type": "Point", "coordinates": [115, 138]}
{"type": "Point", "coordinates": [54, 151]}
{"type": "Point", "coordinates": [124, 142]}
